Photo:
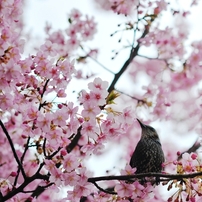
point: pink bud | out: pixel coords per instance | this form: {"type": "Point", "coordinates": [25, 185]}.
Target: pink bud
{"type": "Point", "coordinates": [178, 153]}
{"type": "Point", "coordinates": [29, 199]}
{"type": "Point", "coordinates": [13, 174]}
{"type": "Point", "coordinates": [156, 11]}
{"type": "Point", "coordinates": [63, 152]}
{"type": "Point", "coordinates": [192, 199]}
{"type": "Point", "coordinates": [175, 162]}
{"type": "Point", "coordinates": [19, 84]}
{"type": "Point", "coordinates": [80, 120]}
{"type": "Point", "coordinates": [193, 156]}
{"type": "Point", "coordinates": [24, 136]}
{"type": "Point", "coordinates": [60, 106]}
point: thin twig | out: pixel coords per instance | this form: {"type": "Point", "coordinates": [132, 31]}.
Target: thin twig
{"type": "Point", "coordinates": [133, 53]}
{"type": "Point", "coordinates": [96, 61]}
{"type": "Point", "coordinates": [54, 153]}
{"type": "Point", "coordinates": [103, 190]}
{"type": "Point", "coordinates": [135, 98]}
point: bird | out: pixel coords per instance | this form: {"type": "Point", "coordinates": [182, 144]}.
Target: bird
{"type": "Point", "coordinates": [148, 155]}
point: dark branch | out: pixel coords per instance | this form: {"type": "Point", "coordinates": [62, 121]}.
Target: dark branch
{"type": "Point", "coordinates": [44, 147]}
{"type": "Point", "coordinates": [44, 90]}
{"type": "Point", "coordinates": [108, 191]}
{"type": "Point", "coordinates": [21, 160]}
{"type": "Point", "coordinates": [24, 184]}
{"type": "Point", "coordinates": [38, 191]}
{"type": "Point", "coordinates": [54, 153]}
{"type": "Point", "coordinates": [75, 140]}
{"type": "Point", "coordinates": [143, 175]}
{"type": "Point", "coordinates": [13, 150]}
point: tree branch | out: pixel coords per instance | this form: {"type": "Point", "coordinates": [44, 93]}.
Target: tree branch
{"type": "Point", "coordinates": [108, 191]}
{"type": "Point", "coordinates": [75, 140]}
{"type": "Point", "coordinates": [164, 177]}
{"type": "Point", "coordinates": [44, 90]}
{"type": "Point", "coordinates": [24, 184]}
{"type": "Point", "coordinates": [38, 191]}
{"type": "Point", "coordinates": [21, 160]}
{"type": "Point", "coordinates": [143, 175]}
{"type": "Point", "coordinates": [13, 150]}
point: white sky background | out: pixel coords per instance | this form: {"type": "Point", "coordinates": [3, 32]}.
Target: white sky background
{"type": "Point", "coordinates": [38, 12]}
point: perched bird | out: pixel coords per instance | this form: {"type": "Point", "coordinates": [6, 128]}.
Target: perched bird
{"type": "Point", "coordinates": [148, 155]}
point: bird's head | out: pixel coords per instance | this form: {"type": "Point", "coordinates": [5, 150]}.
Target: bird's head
{"type": "Point", "coordinates": [148, 131]}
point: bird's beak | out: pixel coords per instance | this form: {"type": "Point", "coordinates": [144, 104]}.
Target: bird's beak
{"type": "Point", "coordinates": [141, 124]}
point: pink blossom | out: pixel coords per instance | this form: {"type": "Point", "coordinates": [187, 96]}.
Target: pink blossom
{"type": "Point", "coordinates": [61, 93]}
{"type": "Point", "coordinates": [123, 7]}
{"type": "Point", "coordinates": [43, 69]}
{"type": "Point", "coordinates": [60, 117]}
{"type": "Point", "coordinates": [123, 189]}
{"type": "Point", "coordinates": [137, 190]}
{"type": "Point", "coordinates": [84, 96]}
{"type": "Point", "coordinates": [49, 48]}
{"type": "Point", "coordinates": [72, 126]}
{"type": "Point", "coordinates": [54, 137]}
{"type": "Point", "coordinates": [40, 57]}
{"type": "Point", "coordinates": [66, 67]}
{"type": "Point", "coordinates": [32, 112]}
{"type": "Point", "coordinates": [56, 176]}
{"type": "Point", "coordinates": [98, 84]}
{"type": "Point", "coordinates": [75, 14]}
{"type": "Point", "coordinates": [43, 122]}
{"type": "Point", "coordinates": [73, 43]}
{"type": "Point", "coordinates": [71, 111]}
{"type": "Point", "coordinates": [110, 128]}
{"type": "Point", "coordinates": [71, 178]}
{"type": "Point", "coordinates": [71, 31]}
{"type": "Point", "coordinates": [89, 29]}
{"type": "Point", "coordinates": [70, 163]}
{"type": "Point", "coordinates": [188, 163]}
{"type": "Point", "coordinates": [128, 170]}
{"type": "Point", "coordinates": [25, 65]}
{"type": "Point", "coordinates": [90, 110]}
{"type": "Point", "coordinates": [12, 70]}
{"type": "Point", "coordinates": [90, 129]}
{"type": "Point", "coordinates": [99, 97]}
{"type": "Point", "coordinates": [127, 116]}
{"type": "Point", "coordinates": [6, 101]}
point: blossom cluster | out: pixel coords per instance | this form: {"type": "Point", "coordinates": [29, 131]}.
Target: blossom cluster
{"type": "Point", "coordinates": [128, 7]}
{"type": "Point", "coordinates": [187, 189]}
